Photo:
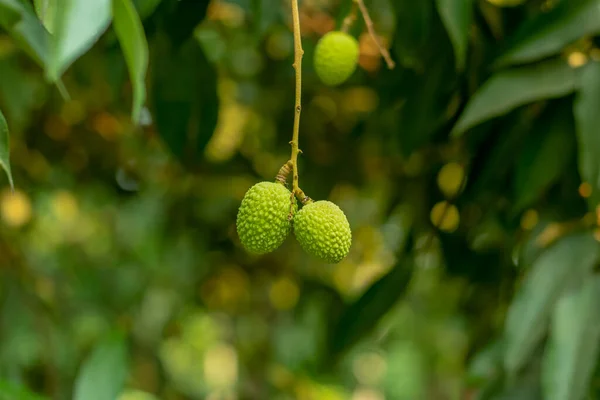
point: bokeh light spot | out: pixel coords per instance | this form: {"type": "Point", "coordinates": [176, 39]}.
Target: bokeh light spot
{"type": "Point", "coordinates": [529, 220]}
{"type": "Point", "coordinates": [284, 293]}
{"type": "Point", "coordinates": [221, 366]}
{"type": "Point", "coordinates": [445, 216]}
{"type": "Point", "coordinates": [585, 190]}
{"type": "Point", "coordinates": [577, 59]}
{"type": "Point", "coordinates": [450, 178]}
{"type": "Point", "coordinates": [15, 208]}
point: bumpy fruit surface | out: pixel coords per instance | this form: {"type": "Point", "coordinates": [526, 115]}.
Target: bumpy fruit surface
{"type": "Point", "coordinates": [336, 57]}
{"type": "Point", "coordinates": [262, 220]}
{"type": "Point", "coordinates": [323, 231]}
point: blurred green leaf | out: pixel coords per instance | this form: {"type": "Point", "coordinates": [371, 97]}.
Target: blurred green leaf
{"type": "Point", "coordinates": [20, 21]}
{"type": "Point", "coordinates": [185, 98]}
{"type": "Point", "coordinates": [264, 16]}
{"type": "Point", "coordinates": [103, 374]}
{"type": "Point", "coordinates": [361, 317]}
{"type": "Point", "coordinates": [550, 32]}
{"type": "Point", "coordinates": [77, 26]}
{"type": "Point", "coordinates": [46, 11]}
{"type": "Point", "coordinates": [179, 18]}
{"type": "Point", "coordinates": [21, 91]}
{"type": "Point", "coordinates": [413, 31]}
{"type": "Point", "coordinates": [130, 32]}
{"type": "Point", "coordinates": [10, 391]}
{"type": "Point", "coordinates": [566, 261]}
{"type": "Point", "coordinates": [572, 352]}
{"type": "Point", "coordinates": [587, 118]}
{"type": "Point", "coordinates": [457, 17]}
{"type": "Point", "coordinates": [427, 97]}
{"type": "Point", "coordinates": [11, 12]}
{"type": "Point", "coordinates": [405, 376]}
{"type": "Point", "coordinates": [507, 90]}
{"type": "Point", "coordinates": [146, 7]}
{"type": "Point", "coordinates": [546, 153]}
{"type": "Point", "coordinates": [5, 149]}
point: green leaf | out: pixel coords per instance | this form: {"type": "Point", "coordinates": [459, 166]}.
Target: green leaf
{"type": "Point", "coordinates": [507, 90]}
{"type": "Point", "coordinates": [20, 21]}
{"type": "Point", "coordinates": [587, 119]}
{"type": "Point", "coordinates": [130, 32]}
{"type": "Point", "coordinates": [185, 98]}
{"type": "Point", "coordinates": [550, 32]}
{"type": "Point", "coordinates": [10, 391]}
{"type": "Point", "coordinates": [457, 16]}
{"type": "Point", "coordinates": [5, 149]}
{"type": "Point", "coordinates": [46, 11]}
{"type": "Point", "coordinates": [568, 260]}
{"type": "Point", "coordinates": [572, 352]}
{"type": "Point", "coordinates": [546, 154]}
{"type": "Point", "coordinates": [77, 26]}
{"type": "Point", "coordinates": [102, 375]}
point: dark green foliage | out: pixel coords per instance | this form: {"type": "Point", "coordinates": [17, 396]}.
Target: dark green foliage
{"type": "Point", "coordinates": [128, 226]}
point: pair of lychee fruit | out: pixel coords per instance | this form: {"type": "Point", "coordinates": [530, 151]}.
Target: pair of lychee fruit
{"type": "Point", "coordinates": [269, 212]}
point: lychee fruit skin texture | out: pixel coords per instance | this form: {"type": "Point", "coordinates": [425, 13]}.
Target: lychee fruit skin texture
{"type": "Point", "coordinates": [262, 220]}
{"type": "Point", "coordinates": [336, 57]}
{"type": "Point", "coordinates": [323, 231]}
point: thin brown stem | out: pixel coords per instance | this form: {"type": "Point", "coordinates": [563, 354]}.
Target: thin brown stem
{"type": "Point", "coordinates": [349, 20]}
{"type": "Point", "coordinates": [369, 23]}
{"type": "Point", "coordinates": [298, 52]}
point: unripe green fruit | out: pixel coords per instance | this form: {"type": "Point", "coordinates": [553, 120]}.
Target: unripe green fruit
{"type": "Point", "coordinates": [336, 57]}
{"type": "Point", "coordinates": [323, 231]}
{"type": "Point", "coordinates": [262, 220]}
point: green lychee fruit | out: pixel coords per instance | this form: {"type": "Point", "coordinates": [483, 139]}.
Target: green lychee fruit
{"type": "Point", "coordinates": [336, 57]}
{"type": "Point", "coordinates": [323, 231]}
{"type": "Point", "coordinates": [262, 220]}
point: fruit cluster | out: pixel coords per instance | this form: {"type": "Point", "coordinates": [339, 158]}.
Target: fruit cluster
{"type": "Point", "coordinates": [269, 212]}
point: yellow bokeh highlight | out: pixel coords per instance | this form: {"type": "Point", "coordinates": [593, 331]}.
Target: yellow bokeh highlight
{"type": "Point", "coordinates": [107, 125]}
{"type": "Point", "coordinates": [284, 293]}
{"type": "Point", "coordinates": [550, 234]}
{"type": "Point", "coordinates": [280, 376]}
{"type": "Point", "coordinates": [529, 220]}
{"type": "Point", "coordinates": [229, 14]}
{"type": "Point", "coordinates": [229, 133]}
{"type": "Point", "coordinates": [369, 368]}
{"type": "Point", "coordinates": [585, 190]}
{"type": "Point", "coordinates": [136, 395]}
{"type": "Point", "coordinates": [65, 207]}
{"type": "Point", "coordinates": [506, 3]}
{"type": "Point", "coordinates": [367, 394]}
{"type": "Point", "coordinates": [73, 112]}
{"type": "Point", "coordinates": [221, 366]}
{"type": "Point", "coordinates": [309, 390]}
{"type": "Point", "coordinates": [445, 216]}
{"type": "Point", "coordinates": [56, 128]}
{"type": "Point", "coordinates": [15, 208]}
{"type": "Point", "coordinates": [450, 179]}
{"type": "Point", "coordinates": [180, 358]}
{"type": "Point", "coordinates": [577, 59]}
{"type": "Point", "coordinates": [228, 290]}
{"type": "Point", "coordinates": [360, 100]}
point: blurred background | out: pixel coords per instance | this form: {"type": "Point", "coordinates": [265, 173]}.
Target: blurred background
{"type": "Point", "coordinates": [122, 276]}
